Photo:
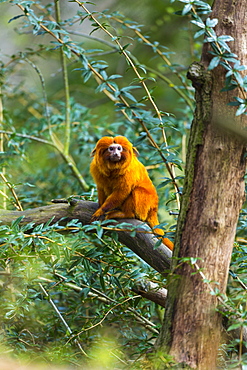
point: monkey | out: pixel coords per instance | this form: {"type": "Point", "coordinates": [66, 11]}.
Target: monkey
{"type": "Point", "coordinates": [124, 187]}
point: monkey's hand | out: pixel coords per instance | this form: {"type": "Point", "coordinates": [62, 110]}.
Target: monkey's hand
{"type": "Point", "coordinates": [97, 215]}
{"type": "Point", "coordinates": [115, 213]}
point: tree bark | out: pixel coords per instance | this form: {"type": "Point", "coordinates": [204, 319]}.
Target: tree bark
{"type": "Point", "coordinates": [212, 198]}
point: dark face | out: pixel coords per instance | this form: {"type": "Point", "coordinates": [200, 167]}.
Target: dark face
{"type": "Point", "coordinates": [114, 152]}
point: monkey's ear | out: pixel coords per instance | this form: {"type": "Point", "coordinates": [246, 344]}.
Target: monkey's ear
{"type": "Point", "coordinates": [93, 152]}
{"type": "Point", "coordinates": [135, 151]}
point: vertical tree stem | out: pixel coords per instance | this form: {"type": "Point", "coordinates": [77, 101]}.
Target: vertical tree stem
{"type": "Point", "coordinates": [66, 85]}
{"type": "Point", "coordinates": [4, 187]}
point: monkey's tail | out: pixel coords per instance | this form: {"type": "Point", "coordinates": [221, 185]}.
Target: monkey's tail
{"type": "Point", "coordinates": [166, 241]}
{"type": "Point", "coordinates": [153, 221]}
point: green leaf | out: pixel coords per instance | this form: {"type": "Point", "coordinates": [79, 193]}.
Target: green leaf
{"type": "Point", "coordinates": [211, 22]}
{"type": "Point", "coordinates": [99, 231]}
{"type": "Point", "coordinates": [187, 9]}
{"type": "Point", "coordinates": [113, 77]}
{"type": "Point", "coordinates": [16, 223]}
{"type": "Point", "coordinates": [193, 260]}
{"type": "Point", "coordinates": [199, 23]}
{"type": "Point", "coordinates": [86, 75]}
{"type": "Point", "coordinates": [117, 282]}
{"type": "Point", "coordinates": [102, 282]}
{"type": "Point", "coordinates": [236, 325]}
{"type": "Point", "coordinates": [241, 109]}
{"type": "Point", "coordinates": [214, 63]}
{"type": "Point", "coordinates": [16, 17]}
{"type": "Point", "coordinates": [199, 33]}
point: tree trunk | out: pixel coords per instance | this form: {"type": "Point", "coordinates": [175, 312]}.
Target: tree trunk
{"type": "Point", "coordinates": [213, 196]}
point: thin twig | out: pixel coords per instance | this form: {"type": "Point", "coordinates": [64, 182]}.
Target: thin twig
{"type": "Point", "coordinates": [11, 188]}
{"type": "Point", "coordinates": [106, 314]}
{"type": "Point", "coordinates": [158, 51]}
{"type": "Point", "coordinates": [66, 85]}
{"type": "Point", "coordinates": [4, 203]}
{"type": "Point", "coordinates": [61, 318]}
{"type": "Point", "coordinates": [95, 293]}
{"type": "Point", "coordinates": [25, 136]}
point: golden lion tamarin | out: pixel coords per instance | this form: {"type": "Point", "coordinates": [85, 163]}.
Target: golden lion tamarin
{"type": "Point", "coordinates": [124, 187]}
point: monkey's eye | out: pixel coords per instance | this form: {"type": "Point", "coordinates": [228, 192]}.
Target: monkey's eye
{"type": "Point", "coordinates": [113, 148]}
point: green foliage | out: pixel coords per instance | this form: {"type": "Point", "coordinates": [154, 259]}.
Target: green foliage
{"type": "Point", "coordinates": [71, 292]}
{"type": "Point", "coordinates": [70, 80]}
{"type": "Point", "coordinates": [222, 54]}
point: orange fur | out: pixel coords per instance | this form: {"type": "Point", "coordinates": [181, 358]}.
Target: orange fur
{"type": "Point", "coordinates": [124, 187]}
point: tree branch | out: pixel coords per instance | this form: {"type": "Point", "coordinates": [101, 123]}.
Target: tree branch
{"type": "Point", "coordinates": [142, 244]}
{"type": "Point", "coordinates": [152, 292]}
